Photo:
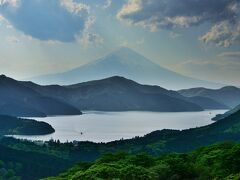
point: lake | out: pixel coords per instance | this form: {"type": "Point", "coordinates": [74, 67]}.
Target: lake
{"type": "Point", "coordinates": [109, 126]}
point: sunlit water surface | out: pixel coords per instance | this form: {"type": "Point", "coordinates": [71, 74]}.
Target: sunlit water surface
{"type": "Point", "coordinates": [109, 126]}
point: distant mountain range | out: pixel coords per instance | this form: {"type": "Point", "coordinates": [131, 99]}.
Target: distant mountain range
{"type": "Point", "coordinates": [127, 63]}
{"type": "Point", "coordinates": [117, 94]}
{"type": "Point", "coordinates": [25, 98]}
{"type": "Point", "coordinates": [229, 95]}
{"type": "Point", "coordinates": [16, 99]}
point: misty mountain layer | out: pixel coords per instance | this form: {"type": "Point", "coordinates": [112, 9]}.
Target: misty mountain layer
{"type": "Point", "coordinates": [127, 63]}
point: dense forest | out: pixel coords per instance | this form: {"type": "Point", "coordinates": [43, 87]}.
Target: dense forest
{"type": "Point", "coordinates": [220, 161]}
{"type": "Point", "coordinates": [8, 170]}
{"type": "Point", "coordinates": [34, 165]}
{"type": "Point", "coordinates": [41, 160]}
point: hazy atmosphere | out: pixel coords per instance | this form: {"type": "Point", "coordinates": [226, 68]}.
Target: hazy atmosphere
{"type": "Point", "coordinates": [199, 39]}
{"type": "Point", "coordinates": [119, 89]}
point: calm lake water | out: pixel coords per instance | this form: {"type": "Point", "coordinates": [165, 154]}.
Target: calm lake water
{"type": "Point", "coordinates": [109, 126]}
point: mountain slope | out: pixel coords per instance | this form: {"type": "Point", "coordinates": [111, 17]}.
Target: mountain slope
{"type": "Point", "coordinates": [155, 143]}
{"type": "Point", "coordinates": [31, 165]}
{"type": "Point", "coordinates": [117, 94]}
{"type": "Point", "coordinates": [207, 103]}
{"type": "Point", "coordinates": [17, 126]}
{"type": "Point", "coordinates": [211, 162]}
{"type": "Point", "coordinates": [229, 95]}
{"type": "Point", "coordinates": [128, 63]}
{"type": "Point", "coordinates": [19, 100]}
{"type": "Point", "coordinates": [163, 141]}
{"type": "Point", "coordinates": [228, 113]}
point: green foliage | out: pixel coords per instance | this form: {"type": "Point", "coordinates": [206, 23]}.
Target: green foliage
{"type": "Point", "coordinates": [53, 157]}
{"type": "Point", "coordinates": [8, 170]}
{"type": "Point", "coordinates": [30, 165]}
{"type": "Point", "coordinates": [220, 161]}
{"type": "Point", "coordinates": [233, 177]}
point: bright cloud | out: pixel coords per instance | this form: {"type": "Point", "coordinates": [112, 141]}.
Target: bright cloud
{"type": "Point", "coordinates": [12, 3]}
{"type": "Point", "coordinates": [87, 37]}
{"type": "Point", "coordinates": [223, 34]}
{"type": "Point", "coordinates": [107, 4]}
{"type": "Point", "coordinates": [223, 15]}
{"type": "Point", "coordinates": [74, 7]}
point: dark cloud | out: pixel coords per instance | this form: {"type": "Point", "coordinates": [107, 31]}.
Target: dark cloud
{"type": "Point", "coordinates": [59, 20]}
{"type": "Point", "coordinates": [169, 14]}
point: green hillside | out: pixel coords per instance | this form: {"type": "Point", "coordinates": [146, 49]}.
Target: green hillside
{"type": "Point", "coordinates": [220, 161]}
{"type": "Point", "coordinates": [54, 157]}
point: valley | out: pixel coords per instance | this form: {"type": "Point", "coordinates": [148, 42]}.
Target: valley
{"type": "Point", "coordinates": [156, 143]}
{"type": "Point", "coordinates": [119, 90]}
{"type": "Point", "coordinates": [27, 99]}
{"type": "Point", "coordinates": [87, 120]}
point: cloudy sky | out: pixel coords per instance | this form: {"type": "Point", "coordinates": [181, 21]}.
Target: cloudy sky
{"type": "Point", "coordinates": [198, 38]}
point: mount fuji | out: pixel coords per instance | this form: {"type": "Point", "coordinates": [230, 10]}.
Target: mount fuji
{"type": "Point", "coordinates": [129, 64]}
